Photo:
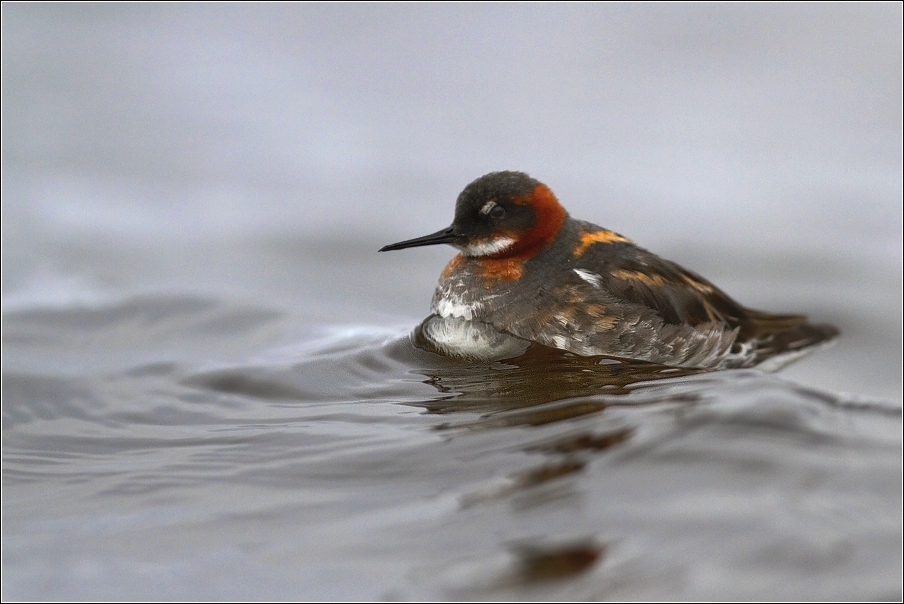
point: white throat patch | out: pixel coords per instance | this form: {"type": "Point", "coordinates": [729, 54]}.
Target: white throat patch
{"type": "Point", "coordinates": [487, 248]}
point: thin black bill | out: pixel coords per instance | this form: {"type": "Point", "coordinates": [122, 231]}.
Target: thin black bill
{"type": "Point", "coordinates": [446, 235]}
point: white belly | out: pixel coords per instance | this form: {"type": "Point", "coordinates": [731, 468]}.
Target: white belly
{"type": "Point", "coordinates": [456, 336]}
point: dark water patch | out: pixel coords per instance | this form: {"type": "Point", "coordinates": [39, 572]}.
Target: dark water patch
{"type": "Point", "coordinates": [556, 562]}
{"type": "Point", "coordinates": [584, 442]}
{"type": "Point", "coordinates": [265, 387]}
{"type": "Point", "coordinates": [549, 472]}
{"type": "Point", "coordinates": [524, 567]}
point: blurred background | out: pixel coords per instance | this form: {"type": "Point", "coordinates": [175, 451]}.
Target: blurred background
{"type": "Point", "coordinates": [264, 152]}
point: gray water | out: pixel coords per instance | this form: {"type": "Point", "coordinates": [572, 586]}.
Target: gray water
{"type": "Point", "coordinates": [209, 390]}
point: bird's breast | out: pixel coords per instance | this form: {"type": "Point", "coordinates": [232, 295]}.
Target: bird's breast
{"type": "Point", "coordinates": [460, 337]}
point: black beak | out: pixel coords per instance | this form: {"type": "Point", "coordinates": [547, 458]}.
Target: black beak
{"type": "Point", "coordinates": [445, 236]}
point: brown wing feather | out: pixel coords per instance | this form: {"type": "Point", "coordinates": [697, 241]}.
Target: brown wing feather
{"type": "Point", "coordinates": [677, 295]}
{"type": "Point", "coordinates": [680, 296]}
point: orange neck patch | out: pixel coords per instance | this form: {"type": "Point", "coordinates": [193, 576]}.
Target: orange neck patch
{"type": "Point", "coordinates": [501, 269]}
{"type": "Point", "coordinates": [548, 218]}
{"type": "Point", "coordinates": [453, 264]}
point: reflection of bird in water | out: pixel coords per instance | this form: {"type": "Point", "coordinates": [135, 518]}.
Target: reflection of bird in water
{"type": "Point", "coordinates": [528, 272]}
{"type": "Point", "coordinates": [540, 375]}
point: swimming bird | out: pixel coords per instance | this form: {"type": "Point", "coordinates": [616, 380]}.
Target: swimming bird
{"type": "Point", "coordinates": [528, 272]}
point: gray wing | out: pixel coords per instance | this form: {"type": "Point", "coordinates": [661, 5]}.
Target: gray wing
{"type": "Point", "coordinates": [583, 315]}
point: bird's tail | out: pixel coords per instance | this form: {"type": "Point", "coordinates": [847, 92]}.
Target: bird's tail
{"type": "Point", "coordinates": [777, 340]}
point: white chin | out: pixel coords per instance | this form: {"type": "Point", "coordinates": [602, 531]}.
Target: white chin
{"type": "Point", "coordinates": [487, 248]}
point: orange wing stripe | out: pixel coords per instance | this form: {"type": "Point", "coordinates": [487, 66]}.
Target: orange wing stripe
{"type": "Point", "coordinates": [653, 280]}
{"type": "Point", "coordinates": [588, 239]}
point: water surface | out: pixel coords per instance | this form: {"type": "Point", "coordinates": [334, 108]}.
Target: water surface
{"type": "Point", "coordinates": [190, 447]}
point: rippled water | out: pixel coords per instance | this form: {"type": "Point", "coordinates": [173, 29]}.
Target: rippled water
{"type": "Point", "coordinates": [185, 447]}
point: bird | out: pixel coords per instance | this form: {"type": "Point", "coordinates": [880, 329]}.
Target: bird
{"type": "Point", "coordinates": [528, 273]}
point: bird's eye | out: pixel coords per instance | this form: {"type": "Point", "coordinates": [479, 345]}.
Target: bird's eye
{"type": "Point", "coordinates": [497, 211]}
